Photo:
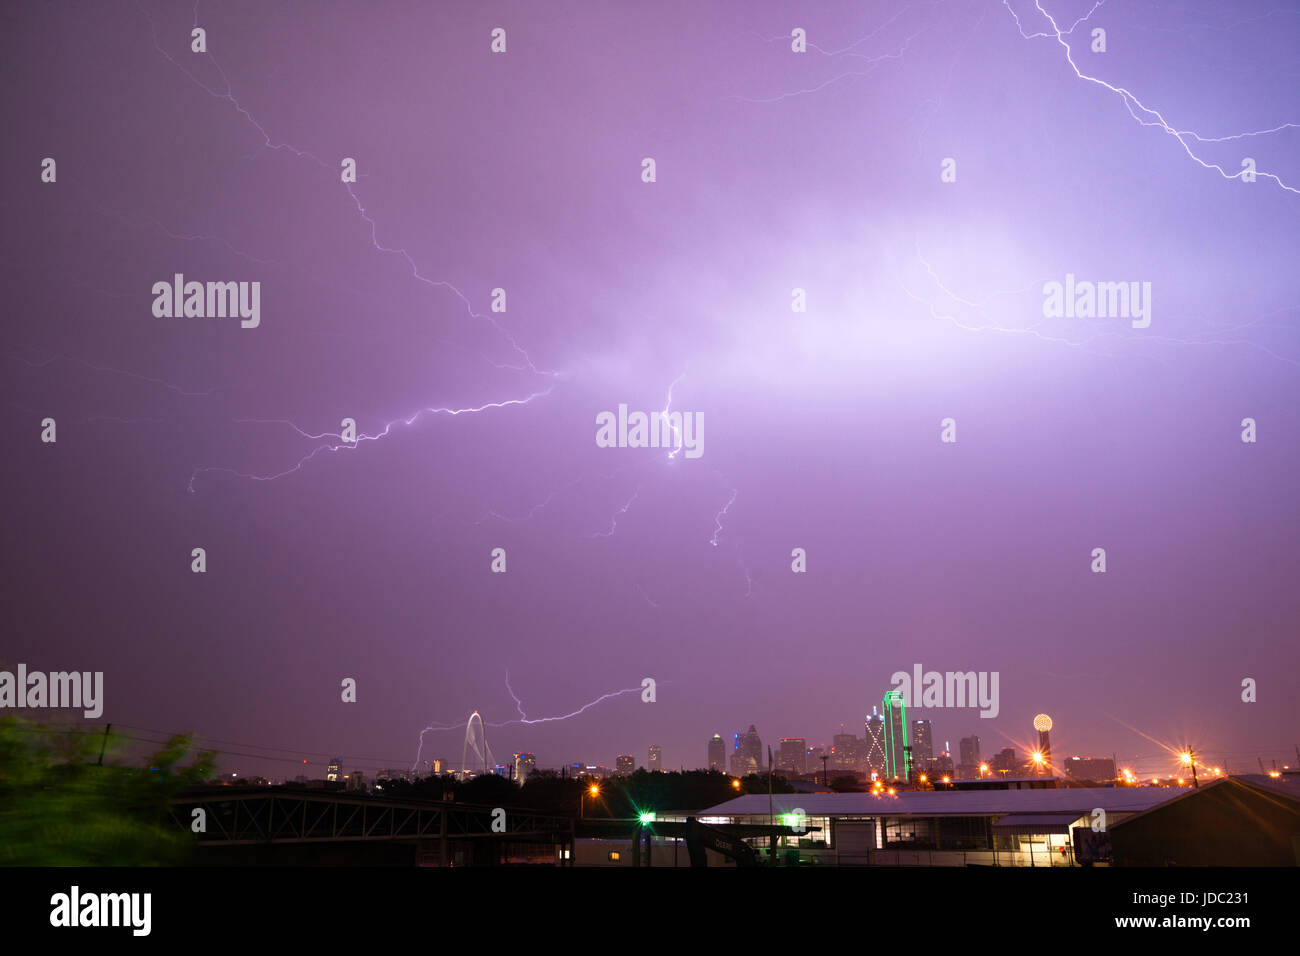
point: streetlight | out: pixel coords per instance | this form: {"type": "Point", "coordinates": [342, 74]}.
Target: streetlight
{"type": "Point", "coordinates": [984, 769]}
{"type": "Point", "coordinates": [594, 790]}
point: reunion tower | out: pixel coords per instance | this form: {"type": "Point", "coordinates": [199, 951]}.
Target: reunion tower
{"type": "Point", "coordinates": [1043, 724]}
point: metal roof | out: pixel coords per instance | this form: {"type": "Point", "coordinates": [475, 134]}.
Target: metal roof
{"type": "Point", "coordinates": [1036, 823]}
{"type": "Point", "coordinates": [1077, 800]}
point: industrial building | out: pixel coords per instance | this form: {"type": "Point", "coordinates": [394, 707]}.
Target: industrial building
{"type": "Point", "coordinates": [1232, 821]}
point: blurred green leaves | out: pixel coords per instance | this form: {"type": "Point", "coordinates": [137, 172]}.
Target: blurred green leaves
{"type": "Point", "coordinates": [60, 807]}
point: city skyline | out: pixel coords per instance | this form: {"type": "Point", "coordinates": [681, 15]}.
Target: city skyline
{"type": "Point", "coordinates": [1155, 761]}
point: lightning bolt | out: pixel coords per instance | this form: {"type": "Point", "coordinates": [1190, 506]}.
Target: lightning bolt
{"type": "Point", "coordinates": [1136, 106]}
{"type": "Point", "coordinates": [663, 416]}
{"type": "Point", "coordinates": [432, 728]}
{"type": "Point", "coordinates": [717, 519]}
{"type": "Point", "coordinates": [523, 717]}
{"type": "Point", "coordinates": [228, 96]}
{"type": "Point", "coordinates": [806, 91]}
{"type": "Point", "coordinates": [613, 521]}
{"type": "Point", "coordinates": [581, 710]}
{"type": "Point", "coordinates": [717, 531]}
{"type": "Point", "coordinates": [341, 445]}
{"type": "Point", "coordinates": [980, 307]}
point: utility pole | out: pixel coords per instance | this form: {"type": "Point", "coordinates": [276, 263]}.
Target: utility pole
{"type": "Point", "coordinates": [769, 785]}
{"type": "Point", "coordinates": [104, 744]}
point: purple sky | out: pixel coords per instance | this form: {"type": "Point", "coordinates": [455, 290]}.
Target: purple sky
{"type": "Point", "coordinates": [775, 170]}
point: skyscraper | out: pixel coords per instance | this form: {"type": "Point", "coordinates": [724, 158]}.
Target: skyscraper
{"type": "Point", "coordinates": [969, 751]}
{"type": "Point", "coordinates": [1004, 762]}
{"type": "Point", "coordinates": [877, 761]}
{"type": "Point", "coordinates": [844, 753]}
{"type": "Point", "coordinates": [941, 766]}
{"type": "Point", "coordinates": [524, 765]}
{"type": "Point", "coordinates": [922, 745]}
{"type": "Point", "coordinates": [655, 761]}
{"type": "Point", "coordinates": [813, 760]}
{"type": "Point", "coordinates": [334, 773]}
{"type": "Point", "coordinates": [624, 764]}
{"type": "Point", "coordinates": [717, 753]}
{"type": "Point", "coordinates": [896, 738]}
{"type": "Point", "coordinates": [747, 757]}
{"type": "Point", "coordinates": [793, 755]}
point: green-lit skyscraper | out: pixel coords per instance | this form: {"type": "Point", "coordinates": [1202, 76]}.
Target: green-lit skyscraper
{"type": "Point", "coordinates": [897, 766]}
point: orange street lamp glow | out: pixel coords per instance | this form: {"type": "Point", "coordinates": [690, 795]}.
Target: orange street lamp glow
{"type": "Point", "coordinates": [595, 790]}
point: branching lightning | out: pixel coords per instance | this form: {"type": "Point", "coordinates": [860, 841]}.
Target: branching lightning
{"type": "Point", "coordinates": [523, 717]}
{"type": "Point", "coordinates": [341, 445]}
{"type": "Point", "coordinates": [1135, 106]}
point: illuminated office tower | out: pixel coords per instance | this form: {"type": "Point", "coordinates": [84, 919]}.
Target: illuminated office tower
{"type": "Point", "coordinates": [844, 753]}
{"type": "Point", "coordinates": [747, 757]}
{"type": "Point", "coordinates": [656, 758]}
{"type": "Point", "coordinates": [897, 764]}
{"type": "Point", "coordinates": [877, 761]}
{"type": "Point", "coordinates": [792, 757]}
{"type": "Point", "coordinates": [717, 753]}
{"type": "Point", "coordinates": [334, 773]}
{"type": "Point", "coordinates": [624, 764]}
{"type": "Point", "coordinates": [524, 765]}
{"type": "Point", "coordinates": [922, 745]}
